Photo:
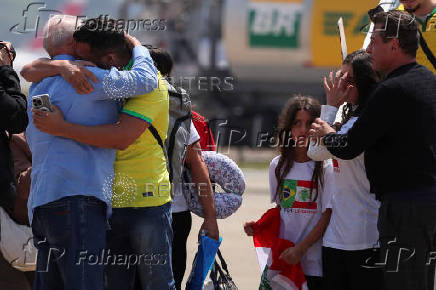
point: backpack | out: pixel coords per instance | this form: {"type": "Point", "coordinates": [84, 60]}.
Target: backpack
{"type": "Point", "coordinates": [207, 142]}
{"type": "Point", "coordinates": [178, 133]}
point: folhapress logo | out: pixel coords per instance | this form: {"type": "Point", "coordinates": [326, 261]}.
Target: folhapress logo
{"type": "Point", "coordinates": [35, 14]}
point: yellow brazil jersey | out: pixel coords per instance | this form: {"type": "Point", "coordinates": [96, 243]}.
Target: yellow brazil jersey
{"type": "Point", "coordinates": [428, 29]}
{"type": "Point", "coordinates": [141, 176]}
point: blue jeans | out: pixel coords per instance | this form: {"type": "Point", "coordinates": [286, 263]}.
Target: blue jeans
{"type": "Point", "coordinates": [70, 234]}
{"type": "Point", "coordinates": [140, 242]}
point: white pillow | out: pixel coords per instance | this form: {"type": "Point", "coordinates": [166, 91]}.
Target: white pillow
{"type": "Point", "coordinates": [224, 172]}
{"type": "Point", "coordinates": [16, 243]}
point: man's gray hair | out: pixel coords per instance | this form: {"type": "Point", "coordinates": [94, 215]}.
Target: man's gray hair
{"type": "Point", "coordinates": [58, 31]}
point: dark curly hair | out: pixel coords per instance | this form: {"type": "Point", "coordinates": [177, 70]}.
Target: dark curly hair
{"type": "Point", "coordinates": [287, 146]}
{"type": "Point", "coordinates": [102, 36]}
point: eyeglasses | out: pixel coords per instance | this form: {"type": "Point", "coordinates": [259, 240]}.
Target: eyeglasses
{"type": "Point", "coordinates": [11, 49]}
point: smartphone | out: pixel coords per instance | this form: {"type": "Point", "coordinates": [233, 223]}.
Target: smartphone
{"type": "Point", "coordinates": [42, 102]}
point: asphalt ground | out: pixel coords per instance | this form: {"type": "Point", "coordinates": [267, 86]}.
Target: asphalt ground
{"type": "Point", "coordinates": [238, 249]}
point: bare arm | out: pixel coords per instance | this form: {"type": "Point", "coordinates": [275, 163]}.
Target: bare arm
{"type": "Point", "coordinates": [293, 255]}
{"type": "Point", "coordinates": [200, 176]}
{"type": "Point", "coordinates": [116, 136]}
{"type": "Point", "coordinates": [39, 69]}
{"type": "Point", "coordinates": [73, 72]}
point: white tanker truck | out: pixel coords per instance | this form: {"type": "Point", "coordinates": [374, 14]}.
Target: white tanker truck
{"type": "Point", "coordinates": [278, 48]}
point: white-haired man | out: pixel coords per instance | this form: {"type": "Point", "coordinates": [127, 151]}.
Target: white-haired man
{"type": "Point", "coordinates": [67, 207]}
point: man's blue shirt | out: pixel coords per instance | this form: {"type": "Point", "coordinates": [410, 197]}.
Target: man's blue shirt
{"type": "Point", "coordinates": [63, 167]}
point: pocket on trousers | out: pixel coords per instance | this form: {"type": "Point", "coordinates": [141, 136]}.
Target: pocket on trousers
{"type": "Point", "coordinates": [56, 220]}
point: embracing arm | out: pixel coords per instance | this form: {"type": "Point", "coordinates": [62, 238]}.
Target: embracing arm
{"type": "Point", "coordinates": [73, 72]}
{"type": "Point", "coordinates": [38, 69]}
{"type": "Point", "coordinates": [139, 80]}
{"type": "Point", "coordinates": [116, 136]}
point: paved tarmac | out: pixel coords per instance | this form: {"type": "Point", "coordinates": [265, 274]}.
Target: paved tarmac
{"type": "Point", "coordinates": [237, 248]}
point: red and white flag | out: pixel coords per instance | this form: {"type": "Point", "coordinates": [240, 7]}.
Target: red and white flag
{"type": "Point", "coordinates": [276, 273]}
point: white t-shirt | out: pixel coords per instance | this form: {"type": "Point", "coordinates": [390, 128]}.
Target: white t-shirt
{"type": "Point", "coordinates": [299, 211]}
{"type": "Point", "coordinates": [179, 202]}
{"type": "Point", "coordinates": [353, 224]}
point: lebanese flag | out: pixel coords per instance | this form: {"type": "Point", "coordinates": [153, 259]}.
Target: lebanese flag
{"type": "Point", "coordinates": [276, 273]}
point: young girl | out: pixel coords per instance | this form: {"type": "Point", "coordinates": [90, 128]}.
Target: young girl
{"type": "Point", "coordinates": [301, 188]}
{"type": "Point", "coordinates": [352, 233]}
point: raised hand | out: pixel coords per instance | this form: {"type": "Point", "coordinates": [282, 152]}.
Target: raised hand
{"type": "Point", "coordinates": [337, 89]}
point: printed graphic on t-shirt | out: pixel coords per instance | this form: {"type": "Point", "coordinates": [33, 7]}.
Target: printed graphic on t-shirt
{"type": "Point", "coordinates": [296, 194]}
{"type": "Point", "coordinates": [336, 165]}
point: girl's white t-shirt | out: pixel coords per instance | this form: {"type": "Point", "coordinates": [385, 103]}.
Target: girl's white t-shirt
{"type": "Point", "coordinates": [353, 224]}
{"type": "Point", "coordinates": [299, 211]}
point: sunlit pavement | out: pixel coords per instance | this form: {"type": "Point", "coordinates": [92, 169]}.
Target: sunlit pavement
{"type": "Point", "coordinates": [237, 248]}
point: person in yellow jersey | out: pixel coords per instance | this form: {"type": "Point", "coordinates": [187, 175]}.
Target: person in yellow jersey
{"type": "Point", "coordinates": [425, 13]}
{"type": "Point", "coordinates": [140, 238]}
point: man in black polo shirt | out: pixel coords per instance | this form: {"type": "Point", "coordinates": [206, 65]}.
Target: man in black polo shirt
{"type": "Point", "coordinates": [397, 132]}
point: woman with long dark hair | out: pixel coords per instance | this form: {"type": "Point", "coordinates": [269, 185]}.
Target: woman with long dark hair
{"type": "Point", "coordinates": [301, 188]}
{"type": "Point", "coordinates": [351, 238]}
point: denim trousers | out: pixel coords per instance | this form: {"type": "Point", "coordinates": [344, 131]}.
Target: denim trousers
{"type": "Point", "coordinates": [139, 243]}
{"type": "Point", "coordinates": [70, 235]}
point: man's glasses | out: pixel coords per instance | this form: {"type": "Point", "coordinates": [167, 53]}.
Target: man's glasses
{"type": "Point", "coordinates": [11, 50]}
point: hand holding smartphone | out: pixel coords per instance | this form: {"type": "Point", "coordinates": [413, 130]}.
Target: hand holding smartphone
{"type": "Point", "coordinates": [42, 102]}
